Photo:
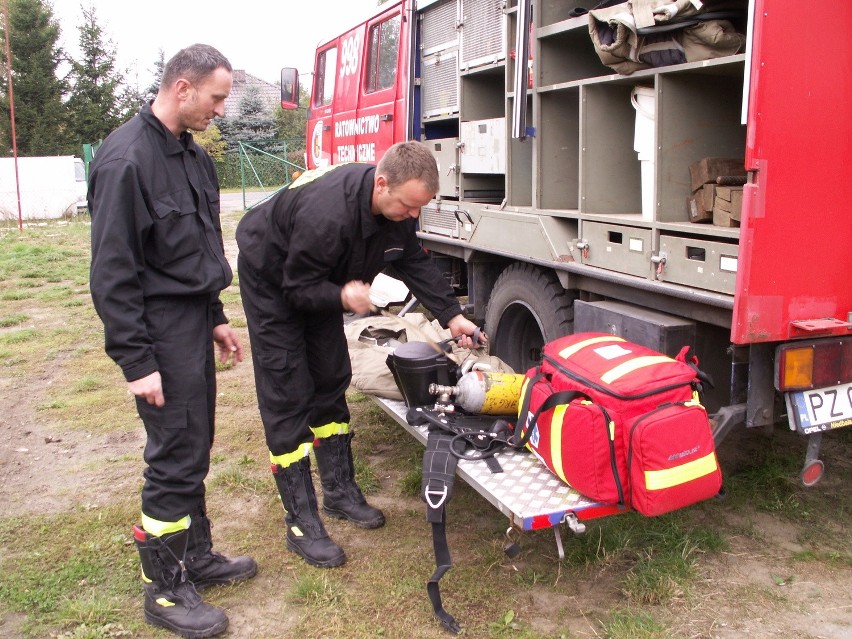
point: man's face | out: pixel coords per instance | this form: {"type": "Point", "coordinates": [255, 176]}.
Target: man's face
{"type": "Point", "coordinates": [206, 100]}
{"type": "Point", "coordinates": [400, 202]}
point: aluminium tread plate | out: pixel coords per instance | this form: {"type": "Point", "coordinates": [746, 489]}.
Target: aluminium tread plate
{"type": "Point", "coordinates": [526, 492]}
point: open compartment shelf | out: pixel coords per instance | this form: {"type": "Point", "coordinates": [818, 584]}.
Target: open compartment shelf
{"type": "Point", "coordinates": [558, 164]}
{"type": "Point", "coordinates": [610, 173]}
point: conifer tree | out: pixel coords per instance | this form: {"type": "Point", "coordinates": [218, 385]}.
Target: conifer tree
{"type": "Point", "coordinates": [253, 124]}
{"type": "Point", "coordinates": [159, 66]}
{"type": "Point", "coordinates": [40, 126]}
{"type": "Point", "coordinates": [99, 99]}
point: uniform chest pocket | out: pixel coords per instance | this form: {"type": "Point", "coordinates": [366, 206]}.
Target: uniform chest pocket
{"type": "Point", "coordinates": [177, 229]}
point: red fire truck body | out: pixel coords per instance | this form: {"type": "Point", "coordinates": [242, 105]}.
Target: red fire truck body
{"type": "Point", "coordinates": [541, 217]}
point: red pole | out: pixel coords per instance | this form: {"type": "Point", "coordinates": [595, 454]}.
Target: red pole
{"type": "Point", "coordinates": [12, 109]}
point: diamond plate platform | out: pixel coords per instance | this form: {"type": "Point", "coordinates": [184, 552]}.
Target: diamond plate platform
{"type": "Point", "coordinates": [526, 492]}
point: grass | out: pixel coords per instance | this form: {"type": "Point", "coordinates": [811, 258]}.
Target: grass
{"type": "Point", "coordinates": [70, 568]}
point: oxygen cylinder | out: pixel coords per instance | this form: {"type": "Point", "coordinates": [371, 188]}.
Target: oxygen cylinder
{"type": "Point", "coordinates": [485, 392]}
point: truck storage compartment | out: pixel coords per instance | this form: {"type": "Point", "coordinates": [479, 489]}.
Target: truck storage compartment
{"type": "Point", "coordinates": [659, 331]}
{"type": "Point", "coordinates": [446, 152]}
{"type": "Point", "coordinates": [699, 263]}
{"type": "Point", "coordinates": [626, 249]}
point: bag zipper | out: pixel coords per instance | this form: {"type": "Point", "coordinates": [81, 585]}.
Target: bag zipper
{"type": "Point", "coordinates": [612, 459]}
{"type": "Point", "coordinates": [604, 389]}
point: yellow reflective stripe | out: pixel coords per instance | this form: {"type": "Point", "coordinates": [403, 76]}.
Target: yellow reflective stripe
{"type": "Point", "coordinates": [330, 430]}
{"type": "Point", "coordinates": [521, 398]}
{"type": "Point", "coordinates": [660, 479]}
{"type": "Point", "coordinates": [291, 458]}
{"type": "Point", "coordinates": [556, 440]}
{"type": "Point", "coordinates": [631, 365]}
{"type": "Point", "coordinates": [159, 528]}
{"type": "Point", "coordinates": [568, 351]}
{"type": "Point", "coordinates": [165, 603]}
{"type": "Point", "coordinates": [309, 176]}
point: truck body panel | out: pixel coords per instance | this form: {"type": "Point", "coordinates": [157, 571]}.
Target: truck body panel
{"type": "Point", "coordinates": [577, 184]}
{"type": "Point", "coordinates": [796, 237]}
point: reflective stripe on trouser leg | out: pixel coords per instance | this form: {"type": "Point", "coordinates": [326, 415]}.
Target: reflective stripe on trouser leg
{"type": "Point", "coordinates": [159, 528]}
{"type": "Point", "coordinates": [330, 430]}
{"type": "Point", "coordinates": [294, 457]}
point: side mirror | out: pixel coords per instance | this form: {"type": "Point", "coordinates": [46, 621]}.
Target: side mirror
{"type": "Point", "coordinates": [289, 88]}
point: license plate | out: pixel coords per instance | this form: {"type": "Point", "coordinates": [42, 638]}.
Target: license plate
{"type": "Point", "coordinates": [821, 409]}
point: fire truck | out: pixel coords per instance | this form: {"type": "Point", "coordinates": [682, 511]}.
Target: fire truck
{"type": "Point", "coordinates": [549, 222]}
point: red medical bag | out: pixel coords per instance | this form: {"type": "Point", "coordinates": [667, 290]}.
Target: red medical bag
{"type": "Point", "coordinates": [621, 423]}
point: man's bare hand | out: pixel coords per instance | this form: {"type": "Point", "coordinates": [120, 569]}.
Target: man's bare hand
{"type": "Point", "coordinates": [229, 344]}
{"type": "Point", "coordinates": [464, 329]}
{"type": "Point", "coordinates": [355, 297]}
{"type": "Point", "coordinates": [149, 388]}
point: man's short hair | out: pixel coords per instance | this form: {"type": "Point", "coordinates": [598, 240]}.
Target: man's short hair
{"type": "Point", "coordinates": [406, 161]}
{"type": "Point", "coordinates": [194, 63]}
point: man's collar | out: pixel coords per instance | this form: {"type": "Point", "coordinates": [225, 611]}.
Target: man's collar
{"type": "Point", "coordinates": [172, 144]}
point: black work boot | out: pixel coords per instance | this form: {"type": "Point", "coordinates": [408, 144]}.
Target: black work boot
{"type": "Point", "coordinates": [207, 568]}
{"type": "Point", "coordinates": [171, 600]}
{"type": "Point", "coordinates": [306, 535]}
{"type": "Point", "coordinates": [341, 496]}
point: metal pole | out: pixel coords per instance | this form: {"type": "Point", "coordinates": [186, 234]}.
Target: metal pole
{"type": "Point", "coordinates": [6, 38]}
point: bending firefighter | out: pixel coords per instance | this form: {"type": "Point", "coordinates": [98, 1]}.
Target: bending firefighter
{"type": "Point", "coordinates": [158, 265]}
{"type": "Point", "coordinates": [305, 257]}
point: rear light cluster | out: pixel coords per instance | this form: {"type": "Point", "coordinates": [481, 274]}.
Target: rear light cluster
{"type": "Point", "coordinates": [813, 364]}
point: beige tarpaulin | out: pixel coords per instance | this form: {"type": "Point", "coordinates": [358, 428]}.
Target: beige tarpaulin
{"type": "Point", "coordinates": [372, 339]}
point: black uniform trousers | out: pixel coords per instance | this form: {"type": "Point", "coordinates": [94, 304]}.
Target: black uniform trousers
{"type": "Point", "coordinates": [301, 364]}
{"type": "Point", "coordinates": [180, 434]}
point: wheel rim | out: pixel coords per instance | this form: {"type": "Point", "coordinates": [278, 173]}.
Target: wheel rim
{"type": "Point", "coordinates": [520, 337]}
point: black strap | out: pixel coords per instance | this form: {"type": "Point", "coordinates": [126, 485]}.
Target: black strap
{"type": "Point", "coordinates": [439, 472]}
{"type": "Point", "coordinates": [521, 437]}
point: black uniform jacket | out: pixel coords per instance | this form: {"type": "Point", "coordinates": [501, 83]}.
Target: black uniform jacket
{"type": "Point", "coordinates": [156, 233]}
{"type": "Point", "coordinates": [320, 233]}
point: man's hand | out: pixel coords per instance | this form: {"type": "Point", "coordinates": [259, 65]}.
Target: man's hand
{"type": "Point", "coordinates": [355, 297]}
{"type": "Point", "coordinates": [463, 328]}
{"type": "Point", "coordinates": [149, 388]}
{"type": "Point", "coordinates": [229, 344]}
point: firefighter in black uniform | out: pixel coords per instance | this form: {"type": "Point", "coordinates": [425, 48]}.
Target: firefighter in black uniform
{"type": "Point", "coordinates": [305, 257]}
{"type": "Point", "coordinates": [158, 265]}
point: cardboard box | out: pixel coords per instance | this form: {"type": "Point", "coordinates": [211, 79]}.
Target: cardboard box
{"type": "Point", "coordinates": [706, 170]}
{"type": "Point", "coordinates": [695, 209]}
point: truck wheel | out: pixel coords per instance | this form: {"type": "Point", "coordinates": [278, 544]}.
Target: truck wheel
{"type": "Point", "coordinates": [528, 308]}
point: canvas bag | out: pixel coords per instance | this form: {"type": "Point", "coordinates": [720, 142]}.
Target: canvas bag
{"type": "Point", "coordinates": [641, 34]}
{"type": "Point", "coordinates": [621, 423]}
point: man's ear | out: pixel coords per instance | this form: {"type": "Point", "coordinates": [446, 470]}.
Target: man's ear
{"type": "Point", "coordinates": [381, 182]}
{"type": "Point", "coordinates": [182, 87]}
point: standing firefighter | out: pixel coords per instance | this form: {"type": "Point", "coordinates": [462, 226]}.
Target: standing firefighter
{"type": "Point", "coordinates": [158, 265]}
{"type": "Point", "coordinates": [306, 257]}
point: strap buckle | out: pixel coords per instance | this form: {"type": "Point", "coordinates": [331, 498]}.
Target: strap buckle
{"type": "Point", "coordinates": [442, 494]}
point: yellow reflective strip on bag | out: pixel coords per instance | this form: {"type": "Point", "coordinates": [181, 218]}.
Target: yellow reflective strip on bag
{"type": "Point", "coordinates": [330, 430]}
{"type": "Point", "coordinates": [556, 440]}
{"type": "Point", "coordinates": [159, 528]}
{"type": "Point", "coordinates": [660, 479]}
{"type": "Point", "coordinates": [634, 364]}
{"type": "Point", "coordinates": [521, 398]}
{"type": "Point", "coordinates": [287, 459]}
{"type": "Point", "coordinates": [568, 351]}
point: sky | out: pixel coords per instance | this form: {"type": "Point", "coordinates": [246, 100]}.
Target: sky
{"type": "Point", "coordinates": [259, 36]}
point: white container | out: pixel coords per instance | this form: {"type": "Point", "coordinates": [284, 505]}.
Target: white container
{"type": "Point", "coordinates": [644, 101]}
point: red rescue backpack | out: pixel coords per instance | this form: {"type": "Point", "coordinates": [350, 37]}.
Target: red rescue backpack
{"type": "Point", "coordinates": [621, 423]}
